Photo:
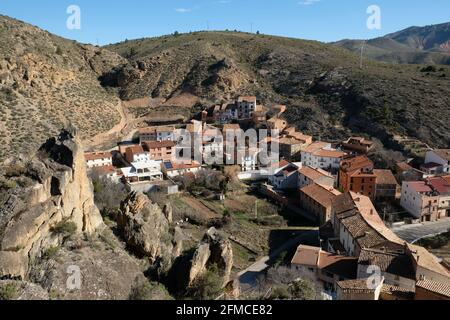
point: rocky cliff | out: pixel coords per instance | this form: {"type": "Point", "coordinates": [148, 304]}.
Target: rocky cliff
{"type": "Point", "coordinates": [53, 190]}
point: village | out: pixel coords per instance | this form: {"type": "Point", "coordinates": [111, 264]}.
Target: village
{"type": "Point", "coordinates": [352, 205]}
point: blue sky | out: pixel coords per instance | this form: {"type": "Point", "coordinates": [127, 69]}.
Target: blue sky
{"type": "Point", "coordinates": [109, 21]}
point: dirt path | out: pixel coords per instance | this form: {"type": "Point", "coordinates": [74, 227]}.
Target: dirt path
{"type": "Point", "coordinates": [114, 133]}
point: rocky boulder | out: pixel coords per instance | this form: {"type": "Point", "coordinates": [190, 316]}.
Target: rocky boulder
{"type": "Point", "coordinates": [145, 228]}
{"type": "Point", "coordinates": [57, 190]}
{"type": "Point", "coordinates": [213, 249]}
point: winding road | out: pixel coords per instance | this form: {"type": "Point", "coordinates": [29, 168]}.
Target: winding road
{"type": "Point", "coordinates": [414, 232]}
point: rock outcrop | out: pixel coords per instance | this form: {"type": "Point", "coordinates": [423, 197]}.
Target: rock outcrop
{"type": "Point", "coordinates": [57, 191]}
{"type": "Point", "coordinates": [145, 228]}
{"type": "Point", "coordinates": [214, 249]}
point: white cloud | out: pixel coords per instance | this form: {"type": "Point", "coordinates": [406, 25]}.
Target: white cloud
{"type": "Point", "coordinates": [183, 10]}
{"type": "Point", "coordinates": [308, 2]}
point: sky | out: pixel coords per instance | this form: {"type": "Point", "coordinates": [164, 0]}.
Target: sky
{"type": "Point", "coordinates": [109, 21]}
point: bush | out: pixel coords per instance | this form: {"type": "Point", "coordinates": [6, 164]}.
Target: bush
{"type": "Point", "coordinates": [65, 228]}
{"type": "Point", "coordinates": [8, 292]}
{"type": "Point", "coordinates": [208, 286]}
{"type": "Point", "coordinates": [148, 291]}
{"type": "Point", "coordinates": [50, 253]}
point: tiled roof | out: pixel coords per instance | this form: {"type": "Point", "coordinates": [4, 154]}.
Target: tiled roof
{"type": "Point", "coordinates": [394, 263]}
{"type": "Point", "coordinates": [385, 177]}
{"type": "Point", "coordinates": [89, 156]}
{"type": "Point", "coordinates": [329, 153]}
{"type": "Point", "coordinates": [316, 146]}
{"type": "Point", "coordinates": [314, 174]}
{"type": "Point", "coordinates": [306, 256]}
{"type": "Point", "coordinates": [247, 98]}
{"type": "Point", "coordinates": [398, 292]}
{"type": "Point", "coordinates": [442, 288]}
{"type": "Point", "coordinates": [356, 163]}
{"type": "Point", "coordinates": [419, 186]}
{"type": "Point", "coordinates": [321, 194]}
{"type": "Point", "coordinates": [427, 260]}
{"type": "Point", "coordinates": [136, 149]}
{"type": "Point", "coordinates": [172, 166]}
{"type": "Point", "coordinates": [439, 184]}
{"type": "Point", "coordinates": [357, 286]}
{"type": "Point", "coordinates": [158, 144]}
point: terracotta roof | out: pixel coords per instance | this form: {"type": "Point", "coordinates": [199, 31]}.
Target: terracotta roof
{"type": "Point", "coordinates": [357, 286]}
{"type": "Point", "coordinates": [443, 153]}
{"type": "Point", "coordinates": [404, 166]}
{"type": "Point", "coordinates": [336, 264]}
{"type": "Point", "coordinates": [314, 174]}
{"type": "Point", "coordinates": [290, 141]}
{"type": "Point", "coordinates": [439, 184]}
{"type": "Point", "coordinates": [89, 156]}
{"type": "Point", "coordinates": [306, 256]}
{"type": "Point", "coordinates": [158, 144]}
{"type": "Point", "coordinates": [247, 98]}
{"type": "Point", "coordinates": [385, 177]}
{"type": "Point", "coordinates": [447, 178]}
{"type": "Point", "coordinates": [321, 194]}
{"type": "Point", "coordinates": [427, 260]}
{"type": "Point", "coordinates": [105, 170]}
{"type": "Point", "coordinates": [356, 163]}
{"type": "Point", "coordinates": [172, 166]}
{"type": "Point", "coordinates": [419, 186]}
{"type": "Point", "coordinates": [442, 288]}
{"type": "Point", "coordinates": [136, 149]}
{"type": "Point", "coordinates": [394, 263]}
{"type": "Point", "coordinates": [329, 153]}
{"type": "Point", "coordinates": [300, 136]}
{"type": "Point", "coordinates": [316, 146]}
{"type": "Point", "coordinates": [371, 216]}
{"type": "Point", "coordinates": [157, 129]}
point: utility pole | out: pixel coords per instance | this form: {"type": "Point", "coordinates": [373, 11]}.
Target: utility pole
{"type": "Point", "coordinates": [251, 27]}
{"type": "Point", "coordinates": [207, 25]}
{"type": "Point", "coordinates": [256, 209]}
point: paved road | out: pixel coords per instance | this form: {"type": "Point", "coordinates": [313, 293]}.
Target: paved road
{"type": "Point", "coordinates": [247, 278]}
{"type": "Point", "coordinates": [412, 233]}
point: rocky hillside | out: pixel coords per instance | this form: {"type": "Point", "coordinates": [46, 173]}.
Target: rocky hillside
{"type": "Point", "coordinates": [328, 95]}
{"type": "Point", "coordinates": [47, 81]}
{"type": "Point", "coordinates": [423, 45]}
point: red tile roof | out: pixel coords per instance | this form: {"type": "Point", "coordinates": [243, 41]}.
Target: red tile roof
{"type": "Point", "coordinates": [89, 156]}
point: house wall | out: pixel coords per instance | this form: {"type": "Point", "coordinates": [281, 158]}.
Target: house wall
{"type": "Point", "coordinates": [99, 163]}
{"type": "Point", "coordinates": [433, 157]}
{"type": "Point", "coordinates": [348, 242]}
{"type": "Point", "coordinates": [322, 213]}
{"type": "Point", "coordinates": [418, 205]}
{"type": "Point", "coordinates": [161, 154]}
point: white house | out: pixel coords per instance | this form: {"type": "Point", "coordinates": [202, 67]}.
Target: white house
{"type": "Point", "coordinates": [137, 154]}
{"type": "Point", "coordinates": [286, 177]}
{"type": "Point", "coordinates": [98, 159]}
{"type": "Point", "coordinates": [441, 157]}
{"type": "Point", "coordinates": [309, 175]}
{"type": "Point", "coordinates": [322, 155]}
{"type": "Point", "coordinates": [160, 133]}
{"type": "Point", "coordinates": [142, 172]}
{"type": "Point", "coordinates": [420, 200]}
{"type": "Point", "coordinates": [173, 169]}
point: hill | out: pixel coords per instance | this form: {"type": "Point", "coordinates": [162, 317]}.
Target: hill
{"type": "Point", "coordinates": [47, 81]}
{"type": "Point", "coordinates": [327, 94]}
{"type": "Point", "coordinates": [420, 45]}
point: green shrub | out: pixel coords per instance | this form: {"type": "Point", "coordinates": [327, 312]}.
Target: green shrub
{"type": "Point", "coordinates": [208, 286]}
{"type": "Point", "coordinates": [50, 253]}
{"type": "Point", "coordinates": [8, 292]}
{"type": "Point", "coordinates": [65, 228]}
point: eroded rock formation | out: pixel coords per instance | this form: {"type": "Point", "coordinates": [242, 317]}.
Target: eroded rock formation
{"type": "Point", "coordinates": [214, 249]}
{"type": "Point", "coordinates": [145, 228]}
{"type": "Point", "coordinates": [58, 191]}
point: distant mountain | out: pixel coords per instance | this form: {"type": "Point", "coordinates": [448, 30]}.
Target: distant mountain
{"type": "Point", "coordinates": [417, 45]}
